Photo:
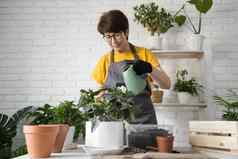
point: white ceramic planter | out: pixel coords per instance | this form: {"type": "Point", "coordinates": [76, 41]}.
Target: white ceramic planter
{"type": "Point", "coordinates": [196, 42]}
{"type": "Point", "coordinates": [70, 136]}
{"type": "Point", "coordinates": [154, 42]}
{"type": "Point", "coordinates": [105, 135]}
{"type": "Point", "coordinates": [186, 98]}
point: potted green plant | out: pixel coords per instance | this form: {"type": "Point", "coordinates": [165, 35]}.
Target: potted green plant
{"type": "Point", "coordinates": [41, 132]}
{"type": "Point", "coordinates": [156, 20]}
{"type": "Point", "coordinates": [8, 130]}
{"type": "Point", "coordinates": [186, 87]}
{"type": "Point", "coordinates": [106, 116]}
{"type": "Point", "coordinates": [68, 112]}
{"type": "Point", "coordinates": [230, 105]}
{"type": "Point", "coordinates": [202, 7]}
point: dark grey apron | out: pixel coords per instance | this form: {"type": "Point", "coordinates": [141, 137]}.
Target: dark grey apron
{"type": "Point", "coordinates": [142, 100]}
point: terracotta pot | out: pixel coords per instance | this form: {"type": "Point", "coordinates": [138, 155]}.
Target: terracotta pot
{"type": "Point", "coordinates": [59, 142]}
{"type": "Point", "coordinates": [165, 143]}
{"type": "Point", "coordinates": [40, 140]}
{"type": "Point", "coordinates": [60, 138]}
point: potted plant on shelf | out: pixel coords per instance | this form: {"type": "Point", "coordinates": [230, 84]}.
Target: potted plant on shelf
{"type": "Point", "coordinates": [202, 6]}
{"type": "Point", "coordinates": [8, 130]}
{"type": "Point", "coordinates": [186, 88]}
{"type": "Point", "coordinates": [230, 104]}
{"type": "Point", "coordinates": [156, 20]}
{"type": "Point", "coordinates": [106, 115]}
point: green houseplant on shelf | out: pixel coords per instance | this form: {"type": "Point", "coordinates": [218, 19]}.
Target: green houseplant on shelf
{"type": "Point", "coordinates": [156, 20]}
{"type": "Point", "coordinates": [230, 105]}
{"type": "Point", "coordinates": [106, 115]}
{"type": "Point", "coordinates": [8, 130]}
{"type": "Point", "coordinates": [186, 87]}
{"type": "Point", "coordinates": [202, 7]}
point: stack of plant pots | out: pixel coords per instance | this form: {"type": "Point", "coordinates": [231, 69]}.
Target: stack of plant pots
{"type": "Point", "coordinates": [42, 140]}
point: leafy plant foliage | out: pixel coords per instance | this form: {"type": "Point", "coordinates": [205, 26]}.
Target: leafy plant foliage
{"type": "Point", "coordinates": [183, 84]}
{"type": "Point", "coordinates": [155, 19]}
{"type": "Point", "coordinates": [230, 104]}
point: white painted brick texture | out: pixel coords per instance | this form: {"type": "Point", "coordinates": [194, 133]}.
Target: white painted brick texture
{"type": "Point", "coordinates": [48, 48]}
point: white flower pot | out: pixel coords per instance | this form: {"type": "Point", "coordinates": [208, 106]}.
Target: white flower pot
{"type": "Point", "coordinates": [154, 42]}
{"type": "Point", "coordinates": [105, 135]}
{"type": "Point", "coordinates": [184, 97]}
{"type": "Point", "coordinates": [70, 136]}
{"type": "Point", "coordinates": [196, 42]}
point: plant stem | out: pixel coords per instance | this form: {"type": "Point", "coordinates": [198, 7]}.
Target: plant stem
{"type": "Point", "coordinates": [190, 21]}
{"type": "Point", "coordinates": [200, 23]}
{"type": "Point", "coordinates": [179, 10]}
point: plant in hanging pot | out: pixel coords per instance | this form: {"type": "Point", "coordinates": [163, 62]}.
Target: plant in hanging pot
{"type": "Point", "coordinates": [106, 116]}
{"type": "Point", "coordinates": [202, 7]}
{"type": "Point", "coordinates": [8, 130]}
{"type": "Point", "coordinates": [186, 88]}
{"type": "Point", "coordinates": [230, 104]}
{"type": "Point", "coordinates": [156, 20]}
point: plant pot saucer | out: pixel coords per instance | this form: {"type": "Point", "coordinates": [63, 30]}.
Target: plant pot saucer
{"type": "Point", "coordinates": [90, 150]}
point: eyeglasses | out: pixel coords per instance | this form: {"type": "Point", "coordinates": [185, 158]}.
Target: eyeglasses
{"type": "Point", "coordinates": [117, 36]}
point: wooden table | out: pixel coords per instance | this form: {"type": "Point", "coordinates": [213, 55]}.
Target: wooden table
{"type": "Point", "coordinates": [80, 154]}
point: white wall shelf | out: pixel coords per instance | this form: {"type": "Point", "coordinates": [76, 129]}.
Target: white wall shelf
{"type": "Point", "coordinates": [178, 54]}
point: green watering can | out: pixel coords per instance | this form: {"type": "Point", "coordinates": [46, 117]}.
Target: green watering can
{"type": "Point", "coordinates": [134, 83]}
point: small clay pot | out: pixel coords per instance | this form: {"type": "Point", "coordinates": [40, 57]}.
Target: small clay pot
{"type": "Point", "coordinates": [165, 143]}
{"type": "Point", "coordinates": [40, 140]}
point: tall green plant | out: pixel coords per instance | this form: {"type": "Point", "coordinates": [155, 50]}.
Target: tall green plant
{"type": "Point", "coordinates": [156, 20]}
{"type": "Point", "coordinates": [230, 104]}
{"type": "Point", "coordinates": [202, 6]}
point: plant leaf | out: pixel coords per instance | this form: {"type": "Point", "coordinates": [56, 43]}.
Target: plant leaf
{"type": "Point", "coordinates": [180, 19]}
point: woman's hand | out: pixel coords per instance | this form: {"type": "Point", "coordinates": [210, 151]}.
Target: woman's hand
{"type": "Point", "coordinates": [142, 67]}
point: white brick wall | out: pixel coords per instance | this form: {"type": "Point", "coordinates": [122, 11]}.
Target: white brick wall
{"type": "Point", "coordinates": [49, 47]}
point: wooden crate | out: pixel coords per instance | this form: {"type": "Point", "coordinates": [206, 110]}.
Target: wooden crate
{"type": "Point", "coordinates": [222, 135]}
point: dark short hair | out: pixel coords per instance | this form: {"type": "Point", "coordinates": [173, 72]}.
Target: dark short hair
{"type": "Point", "coordinates": [113, 21]}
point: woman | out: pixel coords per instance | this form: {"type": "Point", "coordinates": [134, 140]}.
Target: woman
{"type": "Point", "coordinates": [114, 27]}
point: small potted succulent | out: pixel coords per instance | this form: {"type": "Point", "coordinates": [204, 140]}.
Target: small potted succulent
{"type": "Point", "coordinates": [186, 88]}
{"type": "Point", "coordinates": [202, 7]}
{"type": "Point", "coordinates": [106, 116]}
{"type": "Point", "coordinates": [156, 20]}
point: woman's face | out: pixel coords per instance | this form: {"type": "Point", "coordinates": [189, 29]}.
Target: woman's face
{"type": "Point", "coordinates": [116, 41]}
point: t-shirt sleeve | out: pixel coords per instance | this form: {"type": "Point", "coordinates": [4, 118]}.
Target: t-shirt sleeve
{"type": "Point", "coordinates": [151, 58]}
{"type": "Point", "coordinates": [100, 70]}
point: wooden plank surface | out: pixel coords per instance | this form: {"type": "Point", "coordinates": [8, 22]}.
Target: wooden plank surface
{"type": "Point", "coordinates": [157, 155]}
{"type": "Point", "coordinates": [214, 126]}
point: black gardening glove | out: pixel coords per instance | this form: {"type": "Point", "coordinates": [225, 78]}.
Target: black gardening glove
{"type": "Point", "coordinates": [141, 67]}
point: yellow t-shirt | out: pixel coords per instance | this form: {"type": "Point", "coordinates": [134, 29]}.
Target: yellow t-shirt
{"type": "Point", "coordinates": [100, 72]}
